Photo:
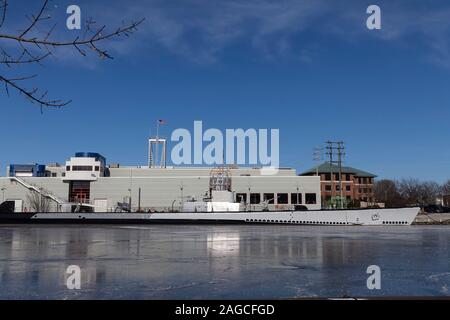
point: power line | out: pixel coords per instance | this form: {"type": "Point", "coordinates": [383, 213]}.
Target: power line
{"type": "Point", "coordinates": [335, 149]}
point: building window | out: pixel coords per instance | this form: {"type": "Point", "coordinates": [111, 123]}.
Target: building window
{"type": "Point", "coordinates": [338, 188]}
{"type": "Point", "coordinates": [347, 177]}
{"type": "Point", "coordinates": [81, 168]}
{"type": "Point", "coordinates": [53, 174]}
{"type": "Point", "coordinates": [269, 198]}
{"type": "Point", "coordinates": [328, 187]}
{"type": "Point", "coordinates": [310, 198]}
{"type": "Point", "coordinates": [255, 198]}
{"type": "Point", "coordinates": [241, 197]}
{"type": "Point", "coordinates": [336, 176]}
{"type": "Point", "coordinates": [296, 198]}
{"type": "Point", "coordinates": [282, 198]}
{"type": "Point", "coordinates": [327, 176]}
{"type": "Point", "coordinates": [348, 188]}
{"type": "Point", "coordinates": [67, 168]}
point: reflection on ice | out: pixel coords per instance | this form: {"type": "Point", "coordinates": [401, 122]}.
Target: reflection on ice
{"type": "Point", "coordinates": [221, 261]}
{"type": "Point", "coordinates": [219, 244]}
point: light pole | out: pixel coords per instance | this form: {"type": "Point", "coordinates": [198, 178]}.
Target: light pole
{"type": "Point", "coordinates": [3, 188]}
{"type": "Point", "coordinates": [40, 199]}
{"type": "Point", "coordinates": [182, 196]}
{"type": "Point", "coordinates": [130, 189]}
{"type": "Point", "coordinates": [248, 205]}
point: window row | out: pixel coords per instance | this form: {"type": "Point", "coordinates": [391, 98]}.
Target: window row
{"type": "Point", "coordinates": [82, 168]}
{"type": "Point", "coordinates": [365, 180]}
{"type": "Point", "coordinates": [345, 177]}
{"type": "Point", "coordinates": [278, 198]}
{"type": "Point", "coordinates": [338, 187]}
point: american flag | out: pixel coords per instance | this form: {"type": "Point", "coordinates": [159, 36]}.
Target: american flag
{"type": "Point", "coordinates": [162, 121]}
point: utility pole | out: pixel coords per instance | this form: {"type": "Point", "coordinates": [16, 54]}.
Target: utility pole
{"type": "Point", "coordinates": [329, 148]}
{"type": "Point", "coordinates": [336, 148]}
{"type": "Point", "coordinates": [340, 148]}
{"type": "Point", "coordinates": [317, 157]}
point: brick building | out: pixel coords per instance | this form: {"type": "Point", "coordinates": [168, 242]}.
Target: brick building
{"type": "Point", "coordinates": [357, 184]}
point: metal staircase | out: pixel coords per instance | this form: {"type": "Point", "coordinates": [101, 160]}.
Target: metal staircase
{"type": "Point", "coordinates": [38, 190]}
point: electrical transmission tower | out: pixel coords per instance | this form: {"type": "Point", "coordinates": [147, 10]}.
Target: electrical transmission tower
{"type": "Point", "coordinates": [335, 152]}
{"type": "Point", "coordinates": [317, 157]}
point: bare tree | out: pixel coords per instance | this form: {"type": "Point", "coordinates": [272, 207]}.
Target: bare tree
{"type": "Point", "coordinates": [446, 188]}
{"type": "Point", "coordinates": [430, 192]}
{"type": "Point", "coordinates": [386, 191]}
{"type": "Point", "coordinates": [31, 46]}
{"type": "Point", "coordinates": [38, 202]}
{"type": "Point", "coordinates": [409, 192]}
{"type": "Point", "coordinates": [415, 192]}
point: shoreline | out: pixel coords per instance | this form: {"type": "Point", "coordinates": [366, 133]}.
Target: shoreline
{"type": "Point", "coordinates": [432, 219]}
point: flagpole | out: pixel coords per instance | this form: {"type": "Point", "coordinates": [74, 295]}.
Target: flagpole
{"type": "Point", "coordinates": [157, 144]}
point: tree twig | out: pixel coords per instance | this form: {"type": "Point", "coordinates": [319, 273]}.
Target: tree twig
{"type": "Point", "coordinates": [33, 49]}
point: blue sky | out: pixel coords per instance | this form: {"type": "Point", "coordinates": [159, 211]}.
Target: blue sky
{"type": "Point", "coordinates": [310, 68]}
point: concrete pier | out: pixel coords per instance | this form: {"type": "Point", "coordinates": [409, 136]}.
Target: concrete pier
{"type": "Point", "coordinates": [433, 218]}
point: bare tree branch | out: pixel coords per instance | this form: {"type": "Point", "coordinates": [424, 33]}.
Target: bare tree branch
{"type": "Point", "coordinates": [32, 95]}
{"type": "Point", "coordinates": [3, 8]}
{"type": "Point", "coordinates": [77, 42]}
{"type": "Point", "coordinates": [32, 48]}
{"type": "Point", "coordinates": [5, 58]}
{"type": "Point", "coordinates": [35, 19]}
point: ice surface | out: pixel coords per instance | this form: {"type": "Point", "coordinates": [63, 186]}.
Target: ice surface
{"type": "Point", "coordinates": [214, 262]}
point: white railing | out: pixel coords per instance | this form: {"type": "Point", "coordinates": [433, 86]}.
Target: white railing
{"type": "Point", "coordinates": [38, 190]}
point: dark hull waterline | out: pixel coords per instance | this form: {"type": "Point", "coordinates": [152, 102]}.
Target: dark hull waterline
{"type": "Point", "coordinates": [401, 216]}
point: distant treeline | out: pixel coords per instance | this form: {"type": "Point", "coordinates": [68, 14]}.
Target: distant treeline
{"type": "Point", "coordinates": [406, 192]}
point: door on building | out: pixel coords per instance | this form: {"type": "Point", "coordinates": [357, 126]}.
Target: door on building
{"type": "Point", "coordinates": [79, 191]}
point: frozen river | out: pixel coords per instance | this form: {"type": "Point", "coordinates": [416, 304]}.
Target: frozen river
{"type": "Point", "coordinates": [215, 262]}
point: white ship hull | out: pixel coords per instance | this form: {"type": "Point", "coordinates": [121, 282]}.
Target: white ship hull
{"type": "Point", "coordinates": [364, 217]}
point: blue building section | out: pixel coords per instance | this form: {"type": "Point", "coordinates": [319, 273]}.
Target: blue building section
{"type": "Point", "coordinates": [34, 170]}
